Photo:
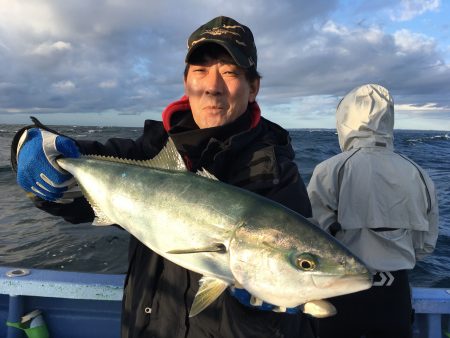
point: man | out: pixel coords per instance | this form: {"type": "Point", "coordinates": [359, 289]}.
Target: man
{"type": "Point", "coordinates": [218, 126]}
{"type": "Point", "coordinates": [382, 206]}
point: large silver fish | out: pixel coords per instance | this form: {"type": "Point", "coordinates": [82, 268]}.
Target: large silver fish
{"type": "Point", "coordinates": [229, 235]}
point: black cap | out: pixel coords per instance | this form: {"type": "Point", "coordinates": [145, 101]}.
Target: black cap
{"type": "Point", "coordinates": [237, 39]}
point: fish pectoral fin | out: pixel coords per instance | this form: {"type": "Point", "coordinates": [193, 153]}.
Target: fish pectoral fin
{"type": "Point", "coordinates": [210, 289]}
{"type": "Point", "coordinates": [319, 308]}
{"type": "Point", "coordinates": [216, 247]}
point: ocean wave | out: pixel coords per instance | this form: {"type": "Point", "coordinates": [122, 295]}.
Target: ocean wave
{"type": "Point", "coordinates": [443, 137]}
{"type": "Point", "coordinates": [98, 130]}
{"type": "Point", "coordinates": [5, 132]}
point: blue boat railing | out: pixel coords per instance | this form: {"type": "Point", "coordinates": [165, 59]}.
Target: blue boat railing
{"type": "Point", "coordinates": [73, 304]}
{"type": "Point", "coordinates": [88, 305]}
{"type": "Point", "coordinates": [432, 312]}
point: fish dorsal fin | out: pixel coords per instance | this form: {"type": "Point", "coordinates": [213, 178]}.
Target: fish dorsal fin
{"type": "Point", "coordinates": [205, 173]}
{"type": "Point", "coordinates": [168, 158]}
{"type": "Point", "coordinates": [210, 289]}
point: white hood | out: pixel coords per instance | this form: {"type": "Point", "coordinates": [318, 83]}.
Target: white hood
{"type": "Point", "coordinates": [365, 118]}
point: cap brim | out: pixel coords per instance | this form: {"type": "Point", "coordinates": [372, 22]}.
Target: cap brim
{"type": "Point", "coordinates": [239, 57]}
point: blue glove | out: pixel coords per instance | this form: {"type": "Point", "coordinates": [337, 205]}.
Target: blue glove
{"type": "Point", "coordinates": [37, 170]}
{"type": "Point", "coordinates": [245, 298]}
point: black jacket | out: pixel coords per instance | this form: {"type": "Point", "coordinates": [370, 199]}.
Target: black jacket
{"type": "Point", "coordinates": [252, 153]}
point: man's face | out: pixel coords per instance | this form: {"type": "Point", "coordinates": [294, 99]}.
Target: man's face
{"type": "Point", "coordinates": [218, 92]}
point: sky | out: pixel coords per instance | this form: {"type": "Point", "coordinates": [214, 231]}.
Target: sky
{"type": "Point", "coordinates": [119, 62]}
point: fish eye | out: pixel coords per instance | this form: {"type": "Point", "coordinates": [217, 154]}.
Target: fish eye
{"type": "Point", "coordinates": [305, 262]}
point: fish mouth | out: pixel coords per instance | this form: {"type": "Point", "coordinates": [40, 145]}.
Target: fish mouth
{"type": "Point", "coordinates": [357, 281]}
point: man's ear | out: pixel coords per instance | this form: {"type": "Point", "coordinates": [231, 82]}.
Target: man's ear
{"type": "Point", "coordinates": [254, 89]}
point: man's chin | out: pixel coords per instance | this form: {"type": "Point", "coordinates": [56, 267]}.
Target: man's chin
{"type": "Point", "coordinates": [213, 120]}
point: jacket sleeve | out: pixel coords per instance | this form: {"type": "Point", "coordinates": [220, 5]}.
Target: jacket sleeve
{"type": "Point", "coordinates": [147, 146]}
{"type": "Point", "coordinates": [425, 242]}
{"type": "Point", "coordinates": [323, 194]}
{"type": "Point", "coordinates": [79, 211]}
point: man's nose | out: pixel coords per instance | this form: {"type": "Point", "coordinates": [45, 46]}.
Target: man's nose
{"type": "Point", "coordinates": [214, 83]}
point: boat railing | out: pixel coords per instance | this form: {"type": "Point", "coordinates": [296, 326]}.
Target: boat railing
{"type": "Point", "coordinates": [73, 304]}
{"type": "Point", "coordinates": [432, 312]}
{"type": "Point", "coordinates": [87, 305]}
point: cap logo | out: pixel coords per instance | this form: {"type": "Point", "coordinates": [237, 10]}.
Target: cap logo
{"type": "Point", "coordinates": [219, 31]}
{"type": "Point", "coordinates": [234, 27]}
{"type": "Point", "coordinates": [196, 41]}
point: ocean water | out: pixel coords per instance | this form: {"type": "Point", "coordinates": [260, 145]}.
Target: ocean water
{"type": "Point", "coordinates": [31, 238]}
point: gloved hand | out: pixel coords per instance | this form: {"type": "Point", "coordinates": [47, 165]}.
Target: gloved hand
{"type": "Point", "coordinates": [245, 298]}
{"type": "Point", "coordinates": [37, 170]}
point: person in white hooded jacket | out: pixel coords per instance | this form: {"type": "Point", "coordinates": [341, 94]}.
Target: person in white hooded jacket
{"type": "Point", "coordinates": [382, 206]}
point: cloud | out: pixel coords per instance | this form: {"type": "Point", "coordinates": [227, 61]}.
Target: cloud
{"type": "Point", "coordinates": [409, 9]}
{"type": "Point", "coordinates": [64, 85]}
{"type": "Point", "coordinates": [2, 45]}
{"type": "Point", "coordinates": [48, 48]}
{"type": "Point", "coordinates": [428, 111]}
{"type": "Point", "coordinates": [421, 108]}
{"type": "Point", "coordinates": [409, 42]}
{"type": "Point", "coordinates": [108, 84]}
{"type": "Point", "coordinates": [128, 57]}
{"type": "Point", "coordinates": [332, 59]}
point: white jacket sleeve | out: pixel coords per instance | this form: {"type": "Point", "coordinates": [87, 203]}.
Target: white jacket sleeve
{"type": "Point", "coordinates": [322, 192]}
{"type": "Point", "coordinates": [424, 243]}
